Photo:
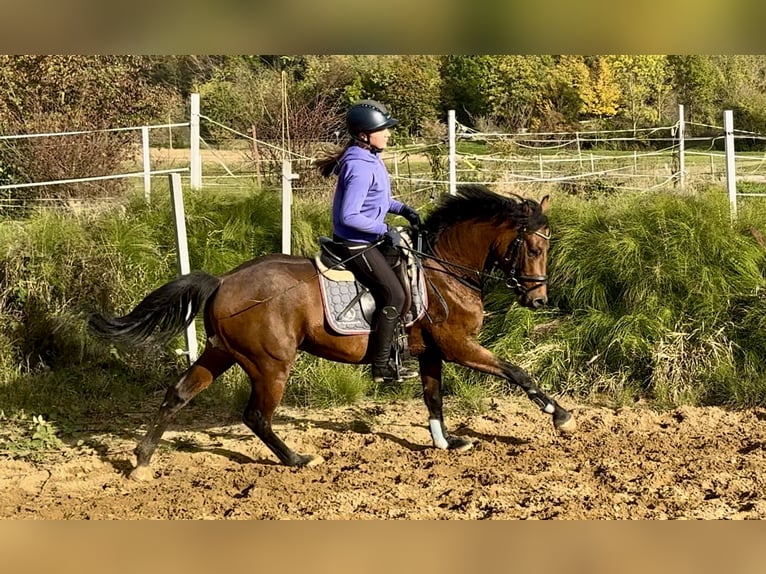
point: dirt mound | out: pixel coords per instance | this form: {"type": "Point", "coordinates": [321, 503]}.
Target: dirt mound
{"type": "Point", "coordinates": [701, 463]}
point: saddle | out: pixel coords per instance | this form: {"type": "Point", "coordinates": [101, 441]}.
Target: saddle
{"type": "Point", "coordinates": [349, 307]}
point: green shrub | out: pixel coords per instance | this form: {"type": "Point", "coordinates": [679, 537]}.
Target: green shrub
{"type": "Point", "coordinates": [320, 383]}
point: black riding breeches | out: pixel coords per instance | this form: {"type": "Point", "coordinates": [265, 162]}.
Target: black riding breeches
{"type": "Point", "coordinates": [373, 267]}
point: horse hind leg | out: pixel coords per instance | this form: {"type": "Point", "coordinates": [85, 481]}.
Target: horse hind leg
{"type": "Point", "coordinates": [197, 378]}
{"type": "Point", "coordinates": [268, 381]}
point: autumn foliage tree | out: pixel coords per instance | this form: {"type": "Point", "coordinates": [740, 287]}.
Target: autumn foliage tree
{"type": "Point", "coordinates": [409, 85]}
{"type": "Point", "coordinates": [50, 94]}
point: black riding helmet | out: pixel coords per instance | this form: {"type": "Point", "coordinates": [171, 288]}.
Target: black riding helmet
{"type": "Point", "coordinates": [368, 116]}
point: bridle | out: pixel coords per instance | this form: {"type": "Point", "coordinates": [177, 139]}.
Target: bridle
{"type": "Point", "coordinates": [512, 261]}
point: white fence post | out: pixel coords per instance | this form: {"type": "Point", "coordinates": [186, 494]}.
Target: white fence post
{"type": "Point", "coordinates": [396, 171]}
{"type": "Point", "coordinates": [195, 161]}
{"type": "Point", "coordinates": [287, 202]}
{"type": "Point", "coordinates": [183, 254]}
{"type": "Point", "coordinates": [147, 163]}
{"type": "Point", "coordinates": [451, 125]}
{"type": "Point", "coordinates": [681, 152]}
{"type": "Point", "coordinates": [731, 174]}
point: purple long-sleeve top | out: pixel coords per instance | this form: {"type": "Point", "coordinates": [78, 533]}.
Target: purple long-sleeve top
{"type": "Point", "coordinates": [362, 196]}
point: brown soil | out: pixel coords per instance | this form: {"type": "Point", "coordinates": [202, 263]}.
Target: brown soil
{"type": "Point", "coordinates": [697, 463]}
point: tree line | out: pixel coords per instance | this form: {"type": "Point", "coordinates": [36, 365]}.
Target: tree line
{"type": "Point", "coordinates": [511, 92]}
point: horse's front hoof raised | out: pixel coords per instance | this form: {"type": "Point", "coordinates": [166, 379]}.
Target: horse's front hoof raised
{"type": "Point", "coordinates": [141, 474]}
{"type": "Point", "coordinates": [564, 422]}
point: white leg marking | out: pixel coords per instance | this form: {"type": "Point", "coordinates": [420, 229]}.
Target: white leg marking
{"type": "Point", "coordinates": [437, 435]}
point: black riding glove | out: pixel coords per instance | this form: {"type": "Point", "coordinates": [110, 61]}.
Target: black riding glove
{"type": "Point", "coordinates": [411, 215]}
{"type": "Point", "coordinates": [392, 237]}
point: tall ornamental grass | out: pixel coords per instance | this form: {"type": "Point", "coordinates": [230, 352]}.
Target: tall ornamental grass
{"type": "Point", "coordinates": [652, 295]}
{"type": "Point", "coordinates": [58, 267]}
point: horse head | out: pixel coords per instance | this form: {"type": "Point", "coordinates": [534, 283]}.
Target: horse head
{"type": "Point", "coordinates": [524, 260]}
{"type": "Point", "coordinates": [476, 229]}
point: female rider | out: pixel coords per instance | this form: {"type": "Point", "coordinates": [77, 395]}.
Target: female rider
{"type": "Point", "coordinates": [361, 202]}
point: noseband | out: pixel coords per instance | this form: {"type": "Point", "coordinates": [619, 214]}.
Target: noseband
{"type": "Point", "coordinates": [512, 260]}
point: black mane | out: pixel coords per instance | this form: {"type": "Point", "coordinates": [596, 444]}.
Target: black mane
{"type": "Point", "coordinates": [476, 202]}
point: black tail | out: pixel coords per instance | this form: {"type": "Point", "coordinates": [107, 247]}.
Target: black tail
{"type": "Point", "coordinates": [167, 310]}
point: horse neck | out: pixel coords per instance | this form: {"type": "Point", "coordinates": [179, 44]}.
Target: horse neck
{"type": "Point", "coordinates": [468, 244]}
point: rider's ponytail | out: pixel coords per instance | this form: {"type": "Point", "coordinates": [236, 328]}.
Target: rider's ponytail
{"type": "Point", "coordinates": [328, 163]}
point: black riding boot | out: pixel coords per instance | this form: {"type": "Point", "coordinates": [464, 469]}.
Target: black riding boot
{"type": "Point", "coordinates": [382, 371]}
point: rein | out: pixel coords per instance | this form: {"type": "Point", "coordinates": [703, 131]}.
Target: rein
{"type": "Point", "coordinates": [514, 277]}
{"type": "Point", "coordinates": [464, 280]}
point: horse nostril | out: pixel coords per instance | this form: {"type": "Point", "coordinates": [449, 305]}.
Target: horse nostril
{"type": "Point", "coordinates": [539, 302]}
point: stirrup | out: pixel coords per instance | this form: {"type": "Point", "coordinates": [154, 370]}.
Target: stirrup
{"type": "Point", "coordinates": [391, 374]}
{"type": "Point", "coordinates": [405, 373]}
{"type": "Point", "coordinates": [385, 374]}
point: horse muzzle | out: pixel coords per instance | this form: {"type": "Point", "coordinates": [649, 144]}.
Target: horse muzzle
{"type": "Point", "coordinates": [537, 302]}
{"type": "Point", "coordinates": [534, 296]}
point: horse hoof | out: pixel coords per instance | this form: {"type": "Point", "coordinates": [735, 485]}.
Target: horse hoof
{"type": "Point", "coordinates": [314, 461]}
{"type": "Point", "coordinates": [459, 443]}
{"type": "Point", "coordinates": [141, 474]}
{"type": "Point", "coordinates": [566, 426]}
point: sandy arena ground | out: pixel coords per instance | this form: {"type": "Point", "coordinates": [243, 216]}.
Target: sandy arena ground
{"type": "Point", "coordinates": [693, 463]}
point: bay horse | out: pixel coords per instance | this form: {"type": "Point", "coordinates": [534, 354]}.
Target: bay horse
{"type": "Point", "coordinates": [260, 314]}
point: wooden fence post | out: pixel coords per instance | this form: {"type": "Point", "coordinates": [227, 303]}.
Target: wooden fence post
{"type": "Point", "coordinates": [147, 163]}
{"type": "Point", "coordinates": [731, 175]}
{"type": "Point", "coordinates": [256, 158]}
{"type": "Point", "coordinates": [287, 203]}
{"type": "Point", "coordinates": [182, 247]}
{"type": "Point", "coordinates": [195, 161]}
{"type": "Point", "coordinates": [681, 152]}
{"type": "Point", "coordinates": [451, 126]}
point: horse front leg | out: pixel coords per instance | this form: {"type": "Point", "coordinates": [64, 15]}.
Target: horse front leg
{"type": "Point", "coordinates": [474, 356]}
{"type": "Point", "coordinates": [431, 377]}
{"type": "Point", "coordinates": [562, 418]}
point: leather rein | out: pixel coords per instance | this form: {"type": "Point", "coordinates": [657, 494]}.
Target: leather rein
{"type": "Point", "coordinates": [511, 261]}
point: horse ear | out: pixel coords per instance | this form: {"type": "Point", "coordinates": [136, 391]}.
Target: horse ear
{"type": "Point", "coordinates": [544, 204]}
